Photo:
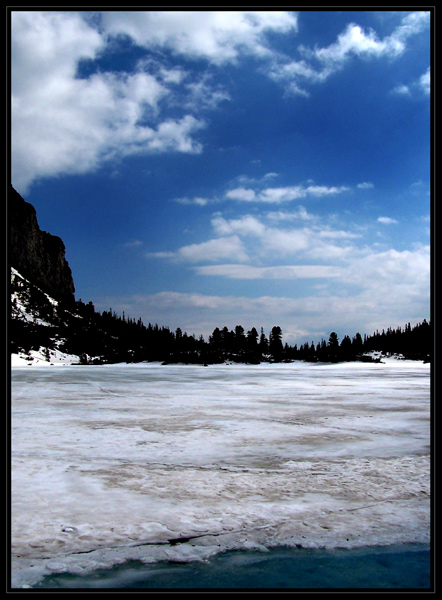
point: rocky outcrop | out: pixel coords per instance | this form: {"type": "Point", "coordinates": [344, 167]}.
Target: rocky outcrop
{"type": "Point", "coordinates": [36, 254]}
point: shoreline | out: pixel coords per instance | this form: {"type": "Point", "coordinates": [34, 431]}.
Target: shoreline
{"type": "Point", "coordinates": [103, 563]}
{"type": "Point", "coordinates": [59, 359]}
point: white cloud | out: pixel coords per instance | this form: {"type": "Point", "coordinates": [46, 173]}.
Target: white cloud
{"type": "Point", "coordinates": [174, 75]}
{"type": "Point", "coordinates": [323, 190]}
{"type": "Point", "coordinates": [318, 64]}
{"type": "Point", "coordinates": [202, 96]}
{"type": "Point", "coordinates": [246, 225]}
{"type": "Point", "coordinates": [216, 36]}
{"type": "Point", "coordinates": [412, 24]}
{"type": "Point", "coordinates": [387, 289]}
{"type": "Point", "coordinates": [242, 194]}
{"type": "Point", "coordinates": [171, 135]}
{"type": "Point", "coordinates": [235, 271]}
{"type": "Point", "coordinates": [115, 114]}
{"type": "Point", "coordinates": [313, 243]}
{"type": "Point", "coordinates": [276, 195]}
{"type": "Point", "coordinates": [223, 248]}
{"type": "Point", "coordinates": [45, 48]}
{"type": "Point", "coordinates": [64, 124]}
{"type": "Point", "coordinates": [248, 237]}
{"type": "Point", "coordinates": [402, 90]}
{"type": "Point", "coordinates": [387, 220]}
{"type": "Point", "coordinates": [417, 87]}
{"type": "Point", "coordinates": [299, 214]}
{"type": "Point", "coordinates": [190, 90]}
{"type": "Point", "coordinates": [357, 42]}
{"type": "Point", "coordinates": [337, 234]}
{"type": "Point", "coordinates": [393, 279]}
{"type": "Point", "coordinates": [258, 193]}
{"type": "Point", "coordinates": [197, 200]}
{"type": "Point", "coordinates": [133, 244]}
{"type": "Point", "coordinates": [362, 287]}
{"type": "Point", "coordinates": [214, 250]}
{"type": "Point", "coordinates": [425, 81]}
{"type": "Point", "coordinates": [290, 242]}
{"type": "Point", "coordinates": [366, 185]}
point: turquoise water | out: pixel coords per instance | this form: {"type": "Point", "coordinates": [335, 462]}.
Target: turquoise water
{"type": "Point", "coordinates": [393, 567]}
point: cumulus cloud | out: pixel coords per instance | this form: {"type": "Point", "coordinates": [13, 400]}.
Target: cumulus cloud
{"type": "Point", "coordinates": [217, 36]}
{"type": "Point", "coordinates": [63, 123]}
{"type": "Point", "coordinates": [119, 114]}
{"type": "Point", "coordinates": [318, 64]}
{"type": "Point", "coordinates": [45, 48]}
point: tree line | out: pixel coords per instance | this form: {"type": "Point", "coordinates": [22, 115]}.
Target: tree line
{"type": "Point", "coordinates": [106, 337]}
{"type": "Point", "coordinates": [411, 342]}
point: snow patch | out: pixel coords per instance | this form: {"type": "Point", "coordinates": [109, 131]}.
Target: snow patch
{"type": "Point", "coordinates": [43, 358]}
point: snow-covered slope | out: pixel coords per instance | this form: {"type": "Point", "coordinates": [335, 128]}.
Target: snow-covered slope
{"type": "Point", "coordinates": [33, 310]}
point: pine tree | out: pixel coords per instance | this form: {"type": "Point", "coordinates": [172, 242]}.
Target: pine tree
{"type": "Point", "coordinates": [346, 348]}
{"type": "Point", "coordinates": [275, 343]}
{"type": "Point", "coordinates": [333, 347]}
{"type": "Point", "coordinates": [263, 343]}
{"type": "Point", "coordinates": [356, 344]}
{"type": "Point", "coordinates": [239, 340]}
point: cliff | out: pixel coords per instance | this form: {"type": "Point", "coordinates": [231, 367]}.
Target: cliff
{"type": "Point", "coordinates": [36, 254]}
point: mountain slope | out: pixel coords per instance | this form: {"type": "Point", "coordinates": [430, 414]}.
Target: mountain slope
{"type": "Point", "coordinates": [35, 331]}
{"type": "Point", "coordinates": [37, 255]}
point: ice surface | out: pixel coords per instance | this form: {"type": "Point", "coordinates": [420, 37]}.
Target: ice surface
{"type": "Point", "coordinates": [153, 462]}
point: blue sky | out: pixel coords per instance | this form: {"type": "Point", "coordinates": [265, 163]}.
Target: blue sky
{"type": "Point", "coordinates": [211, 168]}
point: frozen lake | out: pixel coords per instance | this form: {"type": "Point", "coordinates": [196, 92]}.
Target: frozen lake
{"type": "Point", "coordinates": [179, 463]}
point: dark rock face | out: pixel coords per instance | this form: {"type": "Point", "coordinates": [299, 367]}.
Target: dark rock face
{"type": "Point", "coordinates": [37, 255]}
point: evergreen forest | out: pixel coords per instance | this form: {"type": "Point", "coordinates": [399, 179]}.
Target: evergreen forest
{"type": "Point", "coordinates": [105, 337]}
